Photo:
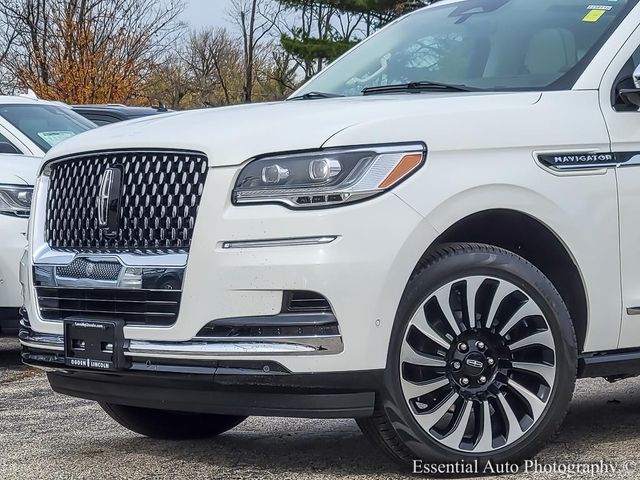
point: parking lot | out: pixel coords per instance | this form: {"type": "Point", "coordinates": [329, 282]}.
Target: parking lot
{"type": "Point", "coordinates": [45, 435]}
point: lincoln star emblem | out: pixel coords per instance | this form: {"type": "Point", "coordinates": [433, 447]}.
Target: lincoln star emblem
{"type": "Point", "coordinates": [109, 201]}
{"type": "Point", "coordinates": [474, 363]}
{"type": "Point", "coordinates": [90, 268]}
{"type": "Point", "coordinates": [103, 197]}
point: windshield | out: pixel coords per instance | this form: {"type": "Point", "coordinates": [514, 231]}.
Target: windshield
{"type": "Point", "coordinates": [45, 125]}
{"type": "Point", "coordinates": [480, 44]}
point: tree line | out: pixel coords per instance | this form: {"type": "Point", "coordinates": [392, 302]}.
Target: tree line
{"type": "Point", "coordinates": [140, 52]}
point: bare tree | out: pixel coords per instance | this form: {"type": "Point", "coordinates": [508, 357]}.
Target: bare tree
{"type": "Point", "coordinates": [83, 51]}
{"type": "Point", "coordinates": [255, 19]}
{"type": "Point", "coordinates": [282, 77]}
{"type": "Point", "coordinates": [208, 69]}
{"type": "Point", "coordinates": [170, 83]}
{"type": "Point", "coordinates": [8, 34]}
{"type": "Point", "coordinates": [215, 60]}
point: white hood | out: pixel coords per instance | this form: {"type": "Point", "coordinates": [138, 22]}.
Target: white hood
{"type": "Point", "coordinates": [18, 169]}
{"type": "Point", "coordinates": [232, 135]}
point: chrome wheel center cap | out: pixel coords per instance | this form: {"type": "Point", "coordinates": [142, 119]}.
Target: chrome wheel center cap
{"type": "Point", "coordinates": [474, 364]}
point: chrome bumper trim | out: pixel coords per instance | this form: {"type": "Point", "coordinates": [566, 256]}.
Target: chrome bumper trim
{"type": "Point", "coordinates": [43, 254]}
{"type": "Point", "coordinates": [206, 348]}
{"type": "Point", "coordinates": [42, 346]}
{"type": "Point", "coordinates": [41, 341]}
{"type": "Point", "coordinates": [212, 348]}
{"type": "Point", "coordinates": [280, 242]}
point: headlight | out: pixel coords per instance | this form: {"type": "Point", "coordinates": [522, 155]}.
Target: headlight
{"type": "Point", "coordinates": [15, 201]}
{"type": "Point", "coordinates": [327, 177]}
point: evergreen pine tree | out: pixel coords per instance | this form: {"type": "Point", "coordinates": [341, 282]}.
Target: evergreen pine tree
{"type": "Point", "coordinates": [317, 41]}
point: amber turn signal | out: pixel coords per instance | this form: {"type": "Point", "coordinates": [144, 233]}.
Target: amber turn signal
{"type": "Point", "coordinates": [404, 167]}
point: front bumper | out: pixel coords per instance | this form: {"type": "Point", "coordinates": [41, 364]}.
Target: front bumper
{"type": "Point", "coordinates": [231, 387]}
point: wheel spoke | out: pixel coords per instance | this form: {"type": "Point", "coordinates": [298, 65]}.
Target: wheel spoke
{"type": "Point", "coordinates": [504, 289]}
{"type": "Point", "coordinates": [485, 443]}
{"type": "Point", "coordinates": [455, 372]}
{"type": "Point", "coordinates": [529, 309]}
{"type": "Point", "coordinates": [473, 284]}
{"type": "Point", "coordinates": [514, 431]}
{"type": "Point", "coordinates": [454, 438]}
{"type": "Point", "coordinates": [547, 372]}
{"type": "Point", "coordinates": [410, 355]}
{"type": "Point", "coordinates": [428, 420]}
{"type": "Point", "coordinates": [414, 390]}
{"type": "Point", "coordinates": [419, 321]}
{"type": "Point", "coordinates": [537, 405]}
{"type": "Point", "coordinates": [540, 338]}
{"type": "Point", "coordinates": [443, 299]}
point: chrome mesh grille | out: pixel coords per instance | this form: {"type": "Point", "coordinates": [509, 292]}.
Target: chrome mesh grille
{"type": "Point", "coordinates": [160, 196]}
{"type": "Point", "coordinates": [83, 268]}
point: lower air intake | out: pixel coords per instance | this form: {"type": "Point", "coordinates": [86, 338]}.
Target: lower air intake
{"type": "Point", "coordinates": [301, 301]}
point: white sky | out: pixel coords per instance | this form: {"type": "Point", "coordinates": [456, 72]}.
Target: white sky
{"type": "Point", "coordinates": [204, 13]}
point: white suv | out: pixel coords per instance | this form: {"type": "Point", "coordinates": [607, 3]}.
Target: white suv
{"type": "Point", "coordinates": [28, 129]}
{"type": "Point", "coordinates": [17, 176]}
{"type": "Point", "coordinates": [436, 236]}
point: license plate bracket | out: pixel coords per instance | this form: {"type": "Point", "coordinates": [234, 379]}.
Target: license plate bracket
{"type": "Point", "coordinates": [94, 344]}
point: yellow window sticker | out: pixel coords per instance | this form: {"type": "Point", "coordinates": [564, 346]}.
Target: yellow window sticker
{"type": "Point", "coordinates": [594, 15]}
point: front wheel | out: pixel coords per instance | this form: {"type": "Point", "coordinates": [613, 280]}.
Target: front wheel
{"type": "Point", "coordinates": [170, 425]}
{"type": "Point", "coordinates": [482, 361]}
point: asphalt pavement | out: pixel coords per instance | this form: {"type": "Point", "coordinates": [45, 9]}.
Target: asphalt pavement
{"type": "Point", "coordinates": [44, 435]}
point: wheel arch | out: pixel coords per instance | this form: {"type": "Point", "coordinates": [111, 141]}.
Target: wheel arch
{"type": "Point", "coordinates": [530, 238]}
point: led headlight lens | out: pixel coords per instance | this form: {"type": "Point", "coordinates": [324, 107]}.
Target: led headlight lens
{"type": "Point", "coordinates": [15, 200]}
{"type": "Point", "coordinates": [324, 169]}
{"type": "Point", "coordinates": [327, 177]}
{"type": "Point", "coordinates": [274, 174]}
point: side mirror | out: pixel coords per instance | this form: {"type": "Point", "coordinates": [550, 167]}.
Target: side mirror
{"type": "Point", "coordinates": [631, 96]}
{"type": "Point", "coordinates": [6, 147]}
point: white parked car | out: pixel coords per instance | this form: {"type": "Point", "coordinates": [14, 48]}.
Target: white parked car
{"type": "Point", "coordinates": [17, 177]}
{"type": "Point", "coordinates": [30, 126]}
{"type": "Point", "coordinates": [28, 129]}
{"type": "Point", "coordinates": [436, 236]}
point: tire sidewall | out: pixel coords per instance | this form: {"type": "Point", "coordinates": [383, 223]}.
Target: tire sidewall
{"type": "Point", "coordinates": [497, 263]}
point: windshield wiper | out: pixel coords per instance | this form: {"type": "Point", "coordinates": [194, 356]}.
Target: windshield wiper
{"type": "Point", "coordinates": [416, 87]}
{"type": "Point", "coordinates": [315, 96]}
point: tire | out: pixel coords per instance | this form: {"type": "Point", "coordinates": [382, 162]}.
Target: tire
{"type": "Point", "coordinates": [170, 425]}
{"type": "Point", "coordinates": [419, 417]}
